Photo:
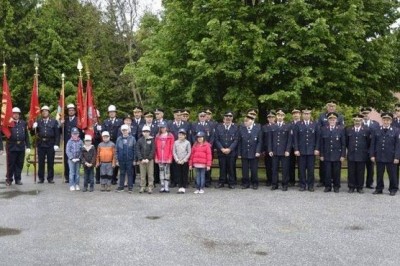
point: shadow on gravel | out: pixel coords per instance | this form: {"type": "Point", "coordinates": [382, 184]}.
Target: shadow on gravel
{"type": "Point", "coordinates": [153, 217]}
{"type": "Point", "coordinates": [16, 193]}
{"type": "Point", "coordinates": [4, 231]}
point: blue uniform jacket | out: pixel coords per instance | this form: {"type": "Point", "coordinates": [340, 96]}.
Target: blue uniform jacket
{"type": "Point", "coordinates": [332, 143]}
{"type": "Point", "coordinates": [249, 143]}
{"type": "Point", "coordinates": [306, 137]}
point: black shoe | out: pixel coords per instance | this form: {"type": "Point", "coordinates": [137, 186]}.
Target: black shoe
{"type": "Point", "coordinates": [18, 183]}
{"type": "Point", "coordinates": [255, 187]}
{"type": "Point", "coordinates": [327, 189]}
{"type": "Point", "coordinates": [219, 185]}
{"type": "Point", "coordinates": [268, 184]}
{"type": "Point", "coordinates": [130, 190]}
{"type": "Point", "coordinates": [351, 190]}
{"type": "Point", "coordinates": [392, 193]}
{"type": "Point", "coordinates": [376, 192]}
{"type": "Point", "coordinates": [207, 185]}
{"type": "Point", "coordinates": [113, 182]}
{"type": "Point", "coordinates": [97, 182]}
{"type": "Point", "coordinates": [119, 189]}
{"type": "Point", "coordinates": [40, 182]}
{"type": "Point", "coordinates": [66, 181]}
{"type": "Point", "coordinates": [285, 188]}
{"type": "Point", "coordinates": [302, 189]}
{"type": "Point", "coordinates": [311, 189]}
{"type": "Point", "coordinates": [231, 186]}
{"type": "Point", "coordinates": [320, 184]}
{"type": "Point", "coordinates": [292, 184]}
{"type": "Point", "coordinates": [84, 189]}
{"type": "Point", "coordinates": [336, 190]}
{"type": "Point", "coordinates": [245, 186]}
{"type": "Point", "coordinates": [369, 187]}
{"type": "Point", "coordinates": [360, 190]}
{"type": "Point", "coordinates": [50, 181]}
{"type": "Point", "coordinates": [91, 189]}
{"type": "Point", "coordinates": [274, 187]}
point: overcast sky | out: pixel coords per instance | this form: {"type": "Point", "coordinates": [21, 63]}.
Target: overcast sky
{"type": "Point", "coordinates": [153, 5]}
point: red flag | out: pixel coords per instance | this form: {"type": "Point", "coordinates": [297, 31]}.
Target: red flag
{"type": "Point", "coordinates": [34, 110]}
{"type": "Point", "coordinates": [91, 110]}
{"type": "Point", "coordinates": [81, 109]}
{"type": "Point", "coordinates": [6, 109]}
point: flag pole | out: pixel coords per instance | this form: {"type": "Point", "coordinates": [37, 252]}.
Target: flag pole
{"type": "Point", "coordinates": [79, 67]}
{"type": "Point", "coordinates": [62, 119]}
{"type": "Point", "coordinates": [36, 64]}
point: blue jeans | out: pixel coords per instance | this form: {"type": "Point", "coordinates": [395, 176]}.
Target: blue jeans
{"type": "Point", "coordinates": [126, 168]}
{"type": "Point", "coordinates": [88, 177]}
{"type": "Point", "coordinates": [73, 172]}
{"type": "Point", "coordinates": [200, 177]}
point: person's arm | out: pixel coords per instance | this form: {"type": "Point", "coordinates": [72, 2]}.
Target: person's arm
{"type": "Point", "coordinates": [1, 142]}
{"type": "Point", "coordinates": [56, 134]}
{"type": "Point", "coordinates": [188, 152]}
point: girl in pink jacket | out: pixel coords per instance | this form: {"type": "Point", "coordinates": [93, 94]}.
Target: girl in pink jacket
{"type": "Point", "coordinates": [200, 159]}
{"type": "Point", "coordinates": [164, 146]}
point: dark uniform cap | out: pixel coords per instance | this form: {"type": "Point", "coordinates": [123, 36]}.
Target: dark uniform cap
{"type": "Point", "coordinates": [387, 115]}
{"type": "Point", "coordinates": [271, 113]}
{"type": "Point", "coordinates": [332, 102]}
{"type": "Point", "coordinates": [358, 116]}
{"type": "Point", "coordinates": [202, 112]}
{"type": "Point", "coordinates": [306, 110]}
{"type": "Point", "coordinates": [250, 116]}
{"type": "Point", "coordinates": [177, 111]}
{"type": "Point", "coordinates": [228, 113]}
{"type": "Point", "coordinates": [332, 115]}
{"type": "Point", "coordinates": [296, 110]}
{"type": "Point", "coordinates": [280, 111]}
{"type": "Point", "coordinates": [148, 114]}
{"type": "Point", "coordinates": [252, 111]}
{"type": "Point", "coordinates": [137, 109]}
{"type": "Point", "coordinates": [159, 110]}
{"type": "Point", "coordinates": [366, 109]}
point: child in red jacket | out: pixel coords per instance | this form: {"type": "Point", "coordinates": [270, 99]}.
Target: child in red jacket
{"type": "Point", "coordinates": [200, 159]}
{"type": "Point", "coordinates": [164, 146]}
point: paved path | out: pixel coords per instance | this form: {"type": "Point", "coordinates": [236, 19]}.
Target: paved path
{"type": "Point", "coordinates": [45, 224]}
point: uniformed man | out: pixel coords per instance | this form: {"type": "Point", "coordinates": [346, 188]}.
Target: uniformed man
{"type": "Point", "coordinates": [323, 122]}
{"type": "Point", "coordinates": [266, 129]}
{"type": "Point", "coordinates": [112, 125]}
{"type": "Point", "coordinates": [138, 120]}
{"type": "Point", "coordinates": [396, 119]}
{"type": "Point", "coordinates": [96, 141]}
{"type": "Point", "coordinates": [296, 117]}
{"type": "Point", "coordinates": [149, 121]}
{"type": "Point", "coordinates": [280, 144]}
{"type": "Point", "coordinates": [175, 125]}
{"type": "Point", "coordinates": [372, 125]}
{"type": "Point", "coordinates": [226, 141]}
{"type": "Point", "coordinates": [159, 112]}
{"type": "Point", "coordinates": [385, 151]}
{"type": "Point", "coordinates": [209, 118]}
{"type": "Point", "coordinates": [207, 128]}
{"type": "Point", "coordinates": [69, 123]}
{"type": "Point", "coordinates": [249, 150]}
{"type": "Point", "coordinates": [16, 146]}
{"type": "Point", "coordinates": [306, 147]}
{"type": "Point", "coordinates": [332, 152]}
{"type": "Point", "coordinates": [358, 140]}
{"type": "Point", "coordinates": [186, 118]}
{"type": "Point", "coordinates": [48, 141]}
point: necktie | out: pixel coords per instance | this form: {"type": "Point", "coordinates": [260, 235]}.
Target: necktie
{"type": "Point", "coordinates": [331, 128]}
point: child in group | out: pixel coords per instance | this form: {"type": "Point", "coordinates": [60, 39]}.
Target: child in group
{"type": "Point", "coordinates": [200, 159]}
{"type": "Point", "coordinates": [182, 150]}
{"type": "Point", "coordinates": [164, 144]}
{"type": "Point", "coordinates": [125, 150]}
{"type": "Point", "coordinates": [88, 160]}
{"type": "Point", "coordinates": [74, 146]}
{"type": "Point", "coordinates": [106, 161]}
{"type": "Point", "coordinates": [145, 156]}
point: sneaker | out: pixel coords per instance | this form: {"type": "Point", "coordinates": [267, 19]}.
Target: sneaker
{"type": "Point", "coordinates": [84, 189]}
{"type": "Point", "coordinates": [119, 189]}
{"type": "Point", "coordinates": [180, 190]}
{"type": "Point", "coordinates": [201, 191]}
{"type": "Point", "coordinates": [130, 190]}
{"type": "Point", "coordinates": [91, 189]}
{"type": "Point", "coordinates": [162, 190]}
{"type": "Point", "coordinates": [149, 191]}
{"type": "Point", "coordinates": [71, 188]}
{"type": "Point", "coordinates": [197, 191]}
{"type": "Point", "coordinates": [103, 188]}
{"type": "Point", "coordinates": [142, 189]}
{"type": "Point", "coordinates": [77, 187]}
{"type": "Point", "coordinates": [183, 190]}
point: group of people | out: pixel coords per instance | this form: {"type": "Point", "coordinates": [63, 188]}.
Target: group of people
{"type": "Point", "coordinates": [164, 151]}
